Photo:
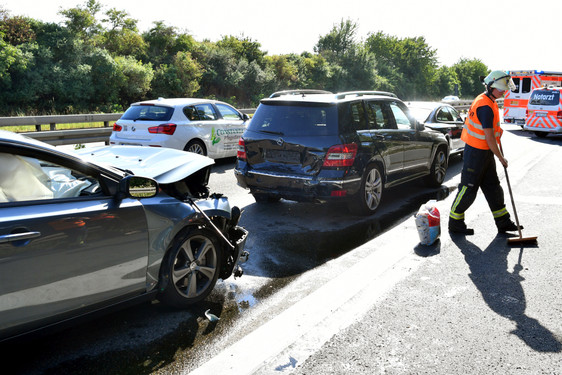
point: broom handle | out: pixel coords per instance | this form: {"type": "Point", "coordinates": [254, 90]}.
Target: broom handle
{"type": "Point", "coordinates": [511, 196]}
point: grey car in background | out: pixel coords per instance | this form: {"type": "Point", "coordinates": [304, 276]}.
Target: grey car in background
{"type": "Point", "coordinates": [81, 233]}
{"type": "Point", "coordinates": [443, 118]}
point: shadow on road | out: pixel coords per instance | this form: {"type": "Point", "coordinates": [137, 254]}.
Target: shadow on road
{"type": "Point", "coordinates": [296, 237]}
{"type": "Point", "coordinates": [502, 290]}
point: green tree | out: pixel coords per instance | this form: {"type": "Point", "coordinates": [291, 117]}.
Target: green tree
{"type": "Point", "coordinates": [178, 79]}
{"type": "Point", "coordinates": [243, 48]}
{"type": "Point", "coordinates": [285, 69]}
{"type": "Point", "coordinates": [352, 67]}
{"type": "Point", "coordinates": [134, 80]}
{"type": "Point", "coordinates": [446, 83]}
{"type": "Point", "coordinates": [122, 37]}
{"type": "Point", "coordinates": [82, 21]}
{"type": "Point", "coordinates": [409, 63]}
{"type": "Point", "coordinates": [468, 72]}
{"type": "Point", "coordinates": [164, 42]}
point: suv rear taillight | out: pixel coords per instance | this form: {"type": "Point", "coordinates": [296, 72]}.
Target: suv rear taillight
{"type": "Point", "coordinates": [117, 128]}
{"type": "Point", "coordinates": [241, 154]}
{"type": "Point", "coordinates": [168, 129]}
{"type": "Point", "coordinates": [559, 115]}
{"type": "Point", "coordinates": [341, 155]}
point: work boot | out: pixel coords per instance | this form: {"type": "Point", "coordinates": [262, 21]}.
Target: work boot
{"type": "Point", "coordinates": [507, 226]}
{"type": "Point", "coordinates": [459, 226]}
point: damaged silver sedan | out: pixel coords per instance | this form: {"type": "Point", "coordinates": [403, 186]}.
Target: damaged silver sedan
{"type": "Point", "coordinates": [82, 232]}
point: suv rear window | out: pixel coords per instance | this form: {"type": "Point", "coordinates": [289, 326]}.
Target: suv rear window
{"type": "Point", "coordinates": [148, 113]}
{"type": "Point", "coordinates": [295, 120]}
{"type": "Point", "coordinates": [545, 97]}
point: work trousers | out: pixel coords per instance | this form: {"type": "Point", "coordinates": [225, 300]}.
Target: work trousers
{"type": "Point", "coordinates": [479, 171]}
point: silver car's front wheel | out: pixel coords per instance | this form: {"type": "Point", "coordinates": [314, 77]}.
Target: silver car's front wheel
{"type": "Point", "coordinates": [191, 268]}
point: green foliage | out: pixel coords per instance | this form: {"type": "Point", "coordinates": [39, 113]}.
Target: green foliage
{"type": "Point", "coordinates": [180, 79]}
{"type": "Point", "coordinates": [410, 64]}
{"type": "Point", "coordinates": [351, 65]}
{"type": "Point", "coordinates": [97, 61]}
{"type": "Point", "coordinates": [468, 73]}
{"type": "Point", "coordinates": [134, 80]}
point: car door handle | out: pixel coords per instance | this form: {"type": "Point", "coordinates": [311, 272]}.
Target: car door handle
{"type": "Point", "coordinates": [380, 136]}
{"type": "Point", "coordinates": [19, 236]}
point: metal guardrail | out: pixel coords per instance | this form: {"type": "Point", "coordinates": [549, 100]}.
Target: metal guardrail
{"type": "Point", "coordinates": [101, 134]}
{"type": "Point", "coordinates": [65, 137]}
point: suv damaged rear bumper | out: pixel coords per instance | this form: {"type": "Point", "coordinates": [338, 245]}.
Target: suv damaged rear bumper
{"type": "Point", "coordinates": [298, 188]}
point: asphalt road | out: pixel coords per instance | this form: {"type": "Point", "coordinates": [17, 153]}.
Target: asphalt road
{"type": "Point", "coordinates": [326, 292]}
{"type": "Point", "coordinates": [392, 306]}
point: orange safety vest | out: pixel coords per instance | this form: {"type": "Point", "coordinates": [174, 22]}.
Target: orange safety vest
{"type": "Point", "coordinates": [473, 132]}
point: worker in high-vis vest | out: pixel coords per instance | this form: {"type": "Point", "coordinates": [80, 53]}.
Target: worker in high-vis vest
{"type": "Point", "coordinates": [482, 133]}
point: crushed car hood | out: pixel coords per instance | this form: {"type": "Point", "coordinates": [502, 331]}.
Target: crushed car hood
{"type": "Point", "coordinates": [165, 165]}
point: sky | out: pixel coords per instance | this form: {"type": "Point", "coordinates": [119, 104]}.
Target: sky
{"type": "Point", "coordinates": [506, 35]}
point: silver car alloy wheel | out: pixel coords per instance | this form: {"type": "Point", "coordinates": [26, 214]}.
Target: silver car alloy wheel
{"type": "Point", "coordinates": [373, 189]}
{"type": "Point", "coordinates": [195, 266]}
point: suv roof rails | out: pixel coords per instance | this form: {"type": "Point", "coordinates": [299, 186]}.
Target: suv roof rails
{"type": "Point", "coordinates": [342, 95]}
{"type": "Point", "coordinates": [298, 92]}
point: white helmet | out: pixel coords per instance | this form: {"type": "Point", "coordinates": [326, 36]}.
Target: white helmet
{"type": "Point", "coordinates": [500, 80]}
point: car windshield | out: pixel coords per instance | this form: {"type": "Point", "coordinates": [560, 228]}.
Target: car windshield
{"type": "Point", "coordinates": [545, 97]}
{"type": "Point", "coordinates": [148, 113]}
{"type": "Point", "coordinates": [295, 120]}
{"type": "Point", "coordinates": [420, 114]}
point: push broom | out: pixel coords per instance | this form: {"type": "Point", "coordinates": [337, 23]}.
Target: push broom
{"type": "Point", "coordinates": [520, 239]}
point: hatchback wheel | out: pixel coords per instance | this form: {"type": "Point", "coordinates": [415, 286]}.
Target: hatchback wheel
{"type": "Point", "coordinates": [369, 197]}
{"type": "Point", "coordinates": [438, 169]}
{"type": "Point", "coordinates": [191, 267]}
{"type": "Point", "coordinates": [197, 147]}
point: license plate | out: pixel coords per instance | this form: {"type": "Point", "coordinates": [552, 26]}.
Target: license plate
{"type": "Point", "coordinates": [283, 156]}
{"type": "Point", "coordinates": [540, 114]}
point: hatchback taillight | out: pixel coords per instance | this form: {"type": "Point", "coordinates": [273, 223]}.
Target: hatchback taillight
{"type": "Point", "coordinates": [168, 129]}
{"type": "Point", "coordinates": [341, 155]}
{"type": "Point", "coordinates": [241, 154]}
{"type": "Point", "coordinates": [117, 128]}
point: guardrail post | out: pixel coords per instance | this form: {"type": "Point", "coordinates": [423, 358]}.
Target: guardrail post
{"type": "Point", "coordinates": [53, 126]}
{"type": "Point", "coordinates": [38, 127]}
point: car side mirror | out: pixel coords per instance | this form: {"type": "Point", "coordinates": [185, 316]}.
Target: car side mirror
{"type": "Point", "coordinates": [138, 187]}
{"type": "Point", "coordinates": [418, 125]}
{"type": "Point", "coordinates": [245, 117]}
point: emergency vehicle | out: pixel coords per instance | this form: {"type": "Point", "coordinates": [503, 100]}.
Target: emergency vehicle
{"type": "Point", "coordinates": [544, 111]}
{"type": "Point", "coordinates": [515, 102]}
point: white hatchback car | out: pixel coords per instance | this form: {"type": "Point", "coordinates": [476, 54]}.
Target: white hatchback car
{"type": "Point", "coordinates": [203, 126]}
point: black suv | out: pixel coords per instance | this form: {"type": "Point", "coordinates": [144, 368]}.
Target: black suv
{"type": "Point", "coordinates": [309, 146]}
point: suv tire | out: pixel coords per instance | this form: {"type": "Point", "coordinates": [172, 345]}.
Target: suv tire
{"type": "Point", "coordinates": [438, 169]}
{"type": "Point", "coordinates": [369, 196]}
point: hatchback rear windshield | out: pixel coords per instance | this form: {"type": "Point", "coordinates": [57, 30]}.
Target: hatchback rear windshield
{"type": "Point", "coordinates": [295, 120]}
{"type": "Point", "coordinates": [545, 97]}
{"type": "Point", "coordinates": [148, 113]}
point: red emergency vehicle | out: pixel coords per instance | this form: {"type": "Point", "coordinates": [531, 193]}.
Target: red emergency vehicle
{"type": "Point", "coordinates": [515, 102]}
